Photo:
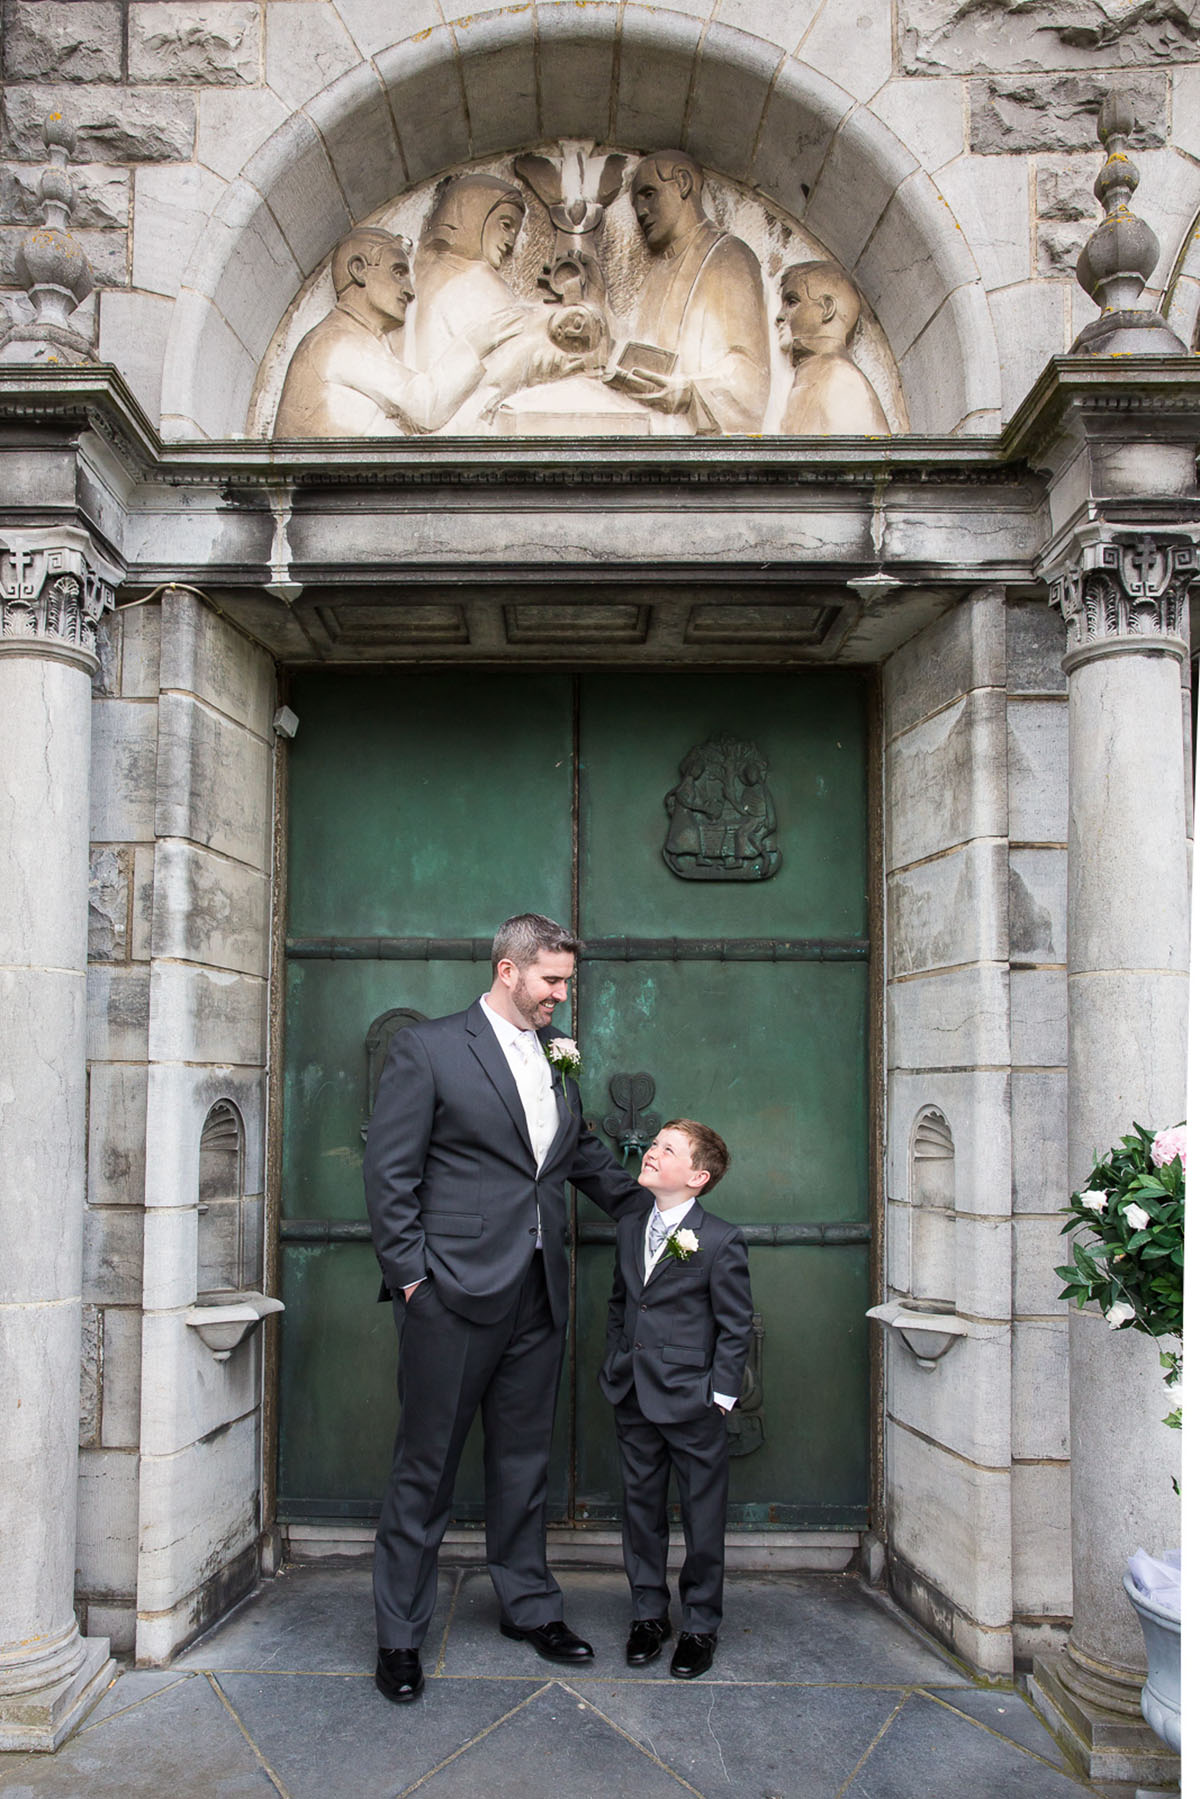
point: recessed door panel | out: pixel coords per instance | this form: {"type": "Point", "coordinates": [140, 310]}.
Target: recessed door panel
{"type": "Point", "coordinates": [424, 809]}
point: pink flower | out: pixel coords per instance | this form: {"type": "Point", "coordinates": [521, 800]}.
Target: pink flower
{"type": "Point", "coordinates": [1169, 1144]}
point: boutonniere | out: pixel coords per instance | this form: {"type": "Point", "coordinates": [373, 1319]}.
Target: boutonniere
{"type": "Point", "coordinates": [563, 1053]}
{"type": "Point", "coordinates": [682, 1245]}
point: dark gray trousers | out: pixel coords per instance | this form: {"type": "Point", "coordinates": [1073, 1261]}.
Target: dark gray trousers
{"type": "Point", "coordinates": [698, 1450]}
{"type": "Point", "coordinates": [449, 1369]}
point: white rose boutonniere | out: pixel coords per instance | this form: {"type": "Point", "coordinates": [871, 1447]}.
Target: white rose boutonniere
{"type": "Point", "coordinates": [562, 1053]}
{"type": "Point", "coordinates": [682, 1244]}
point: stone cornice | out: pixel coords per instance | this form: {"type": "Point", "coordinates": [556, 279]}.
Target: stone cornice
{"type": "Point", "coordinates": [1143, 396]}
{"type": "Point", "coordinates": [1148, 395]}
{"type": "Point", "coordinates": [97, 398]}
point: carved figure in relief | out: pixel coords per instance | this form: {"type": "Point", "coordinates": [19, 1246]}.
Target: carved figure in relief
{"type": "Point", "coordinates": [830, 397]}
{"type": "Point", "coordinates": [701, 308]}
{"type": "Point", "coordinates": [722, 817]}
{"type": "Point", "coordinates": [345, 380]}
{"type": "Point", "coordinates": [574, 275]}
{"type": "Point", "coordinates": [469, 235]}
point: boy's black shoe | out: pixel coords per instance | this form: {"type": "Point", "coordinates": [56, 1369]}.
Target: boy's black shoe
{"type": "Point", "coordinates": [398, 1675]}
{"type": "Point", "coordinates": [646, 1638]}
{"type": "Point", "coordinates": [693, 1654]}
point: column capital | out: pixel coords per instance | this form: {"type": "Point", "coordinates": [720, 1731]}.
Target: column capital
{"type": "Point", "coordinates": [54, 590]}
{"type": "Point", "coordinates": [1125, 590]}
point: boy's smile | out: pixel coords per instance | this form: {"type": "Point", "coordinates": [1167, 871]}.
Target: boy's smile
{"type": "Point", "coordinates": [667, 1169]}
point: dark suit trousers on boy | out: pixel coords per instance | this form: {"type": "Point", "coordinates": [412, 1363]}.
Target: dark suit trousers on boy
{"type": "Point", "coordinates": [698, 1451]}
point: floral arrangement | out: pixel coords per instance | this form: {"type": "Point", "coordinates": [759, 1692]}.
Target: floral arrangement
{"type": "Point", "coordinates": [562, 1053]}
{"type": "Point", "coordinates": [1132, 1210]}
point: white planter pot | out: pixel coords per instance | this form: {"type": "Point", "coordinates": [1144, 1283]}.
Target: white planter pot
{"type": "Point", "coordinates": [1160, 1695]}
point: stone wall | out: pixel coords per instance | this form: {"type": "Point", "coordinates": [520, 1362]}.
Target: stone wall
{"type": "Point", "coordinates": [182, 784]}
{"type": "Point", "coordinates": [970, 114]}
{"type": "Point", "coordinates": [976, 1465]}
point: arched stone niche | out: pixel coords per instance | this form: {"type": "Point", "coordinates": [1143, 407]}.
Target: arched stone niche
{"type": "Point", "coordinates": [224, 1244]}
{"type": "Point", "coordinates": [931, 1187]}
{"type": "Point", "coordinates": [506, 81]}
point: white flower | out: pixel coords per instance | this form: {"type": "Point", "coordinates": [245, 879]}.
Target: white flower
{"type": "Point", "coordinates": [563, 1053]}
{"type": "Point", "coordinates": [1093, 1200]}
{"type": "Point", "coordinates": [682, 1245]}
{"type": "Point", "coordinates": [1138, 1218]}
{"type": "Point", "coordinates": [1119, 1314]}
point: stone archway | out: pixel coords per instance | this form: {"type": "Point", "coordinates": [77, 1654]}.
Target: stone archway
{"type": "Point", "coordinates": [508, 80]}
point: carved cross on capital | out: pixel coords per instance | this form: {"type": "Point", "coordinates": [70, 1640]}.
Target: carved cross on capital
{"type": "Point", "coordinates": [1128, 591]}
{"type": "Point", "coordinates": [51, 594]}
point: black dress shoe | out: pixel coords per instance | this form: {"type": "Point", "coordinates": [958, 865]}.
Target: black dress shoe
{"type": "Point", "coordinates": [693, 1654]}
{"type": "Point", "coordinates": [398, 1675]}
{"type": "Point", "coordinates": [554, 1640]}
{"type": "Point", "coordinates": [646, 1638]}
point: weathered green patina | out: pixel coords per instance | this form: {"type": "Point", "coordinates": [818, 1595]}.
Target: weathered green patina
{"type": "Point", "coordinates": [426, 807]}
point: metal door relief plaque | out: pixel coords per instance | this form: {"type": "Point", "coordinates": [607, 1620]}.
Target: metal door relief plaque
{"type": "Point", "coordinates": [722, 817]}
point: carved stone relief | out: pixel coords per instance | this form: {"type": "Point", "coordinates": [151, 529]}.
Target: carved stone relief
{"type": "Point", "coordinates": [1125, 591]}
{"type": "Point", "coordinates": [722, 816]}
{"type": "Point", "coordinates": [819, 309]}
{"type": "Point", "coordinates": [578, 291]}
{"type": "Point", "coordinates": [49, 592]}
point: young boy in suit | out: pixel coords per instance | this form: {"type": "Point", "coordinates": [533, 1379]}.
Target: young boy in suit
{"type": "Point", "coordinates": [679, 1325]}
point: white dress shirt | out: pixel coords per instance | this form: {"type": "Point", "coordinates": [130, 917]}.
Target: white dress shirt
{"type": "Point", "coordinates": [534, 1076]}
{"type": "Point", "coordinates": [673, 1217]}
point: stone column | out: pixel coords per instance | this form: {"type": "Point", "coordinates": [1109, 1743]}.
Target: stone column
{"type": "Point", "coordinates": [51, 595]}
{"type": "Point", "coordinates": [1125, 603]}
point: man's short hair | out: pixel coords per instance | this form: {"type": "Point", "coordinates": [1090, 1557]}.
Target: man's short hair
{"type": "Point", "coordinates": [523, 939]}
{"type": "Point", "coordinates": [667, 164]}
{"type": "Point", "coordinates": [826, 281]}
{"type": "Point", "coordinates": [709, 1151]}
{"type": "Point", "coordinates": [369, 242]}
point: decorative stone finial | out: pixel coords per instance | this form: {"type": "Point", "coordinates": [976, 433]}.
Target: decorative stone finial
{"type": "Point", "coordinates": [51, 267]}
{"type": "Point", "coordinates": [1119, 257]}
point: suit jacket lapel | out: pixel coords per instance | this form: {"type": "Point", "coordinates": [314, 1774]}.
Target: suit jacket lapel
{"type": "Point", "coordinates": [494, 1062]}
{"type": "Point", "coordinates": [631, 1241]}
{"type": "Point", "coordinates": [692, 1221]}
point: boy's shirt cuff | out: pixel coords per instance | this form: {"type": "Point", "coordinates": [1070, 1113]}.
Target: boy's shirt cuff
{"type": "Point", "coordinates": [725, 1400]}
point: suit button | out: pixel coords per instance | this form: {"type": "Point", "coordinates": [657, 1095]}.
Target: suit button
{"type": "Point", "coordinates": [643, 1305]}
{"type": "Point", "coordinates": [637, 1346]}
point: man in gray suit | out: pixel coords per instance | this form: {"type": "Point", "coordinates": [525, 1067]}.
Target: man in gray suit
{"type": "Point", "coordinates": [679, 1324]}
{"type": "Point", "coordinates": [476, 1131]}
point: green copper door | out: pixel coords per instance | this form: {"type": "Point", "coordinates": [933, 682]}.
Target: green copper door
{"type": "Point", "coordinates": [707, 836]}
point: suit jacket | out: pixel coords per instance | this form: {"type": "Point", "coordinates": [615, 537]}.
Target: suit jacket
{"type": "Point", "coordinates": [453, 1189]}
{"type": "Point", "coordinates": [685, 1333]}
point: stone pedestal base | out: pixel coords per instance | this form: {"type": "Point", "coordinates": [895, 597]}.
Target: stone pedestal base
{"type": "Point", "coordinates": [1118, 1753]}
{"type": "Point", "coordinates": [46, 1718]}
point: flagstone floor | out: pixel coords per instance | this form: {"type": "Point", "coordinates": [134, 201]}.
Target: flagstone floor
{"type": "Point", "coordinates": [820, 1690]}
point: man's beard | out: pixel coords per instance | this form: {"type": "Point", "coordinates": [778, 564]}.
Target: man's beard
{"type": "Point", "coordinates": [526, 1005]}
